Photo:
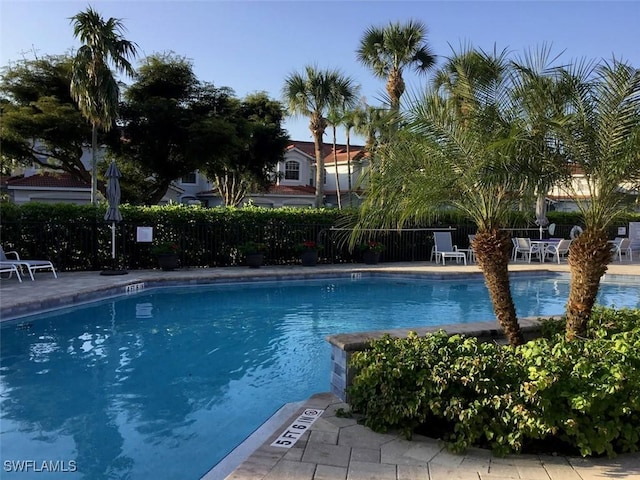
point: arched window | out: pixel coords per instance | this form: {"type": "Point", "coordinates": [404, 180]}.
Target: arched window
{"type": "Point", "coordinates": [291, 170]}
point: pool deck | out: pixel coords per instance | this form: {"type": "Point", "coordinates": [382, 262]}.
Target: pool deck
{"type": "Point", "coordinates": [333, 448]}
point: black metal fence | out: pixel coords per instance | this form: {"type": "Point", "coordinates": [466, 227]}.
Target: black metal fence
{"type": "Point", "coordinates": [74, 246]}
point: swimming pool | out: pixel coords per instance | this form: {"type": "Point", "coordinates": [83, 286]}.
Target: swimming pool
{"type": "Point", "coordinates": [164, 383]}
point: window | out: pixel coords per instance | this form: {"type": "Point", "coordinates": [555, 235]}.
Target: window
{"type": "Point", "coordinates": [291, 170]}
{"type": "Point", "coordinates": [189, 178]}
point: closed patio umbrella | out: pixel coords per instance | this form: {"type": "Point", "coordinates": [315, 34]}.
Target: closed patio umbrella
{"type": "Point", "coordinates": [113, 214]}
{"type": "Point", "coordinates": [541, 213]}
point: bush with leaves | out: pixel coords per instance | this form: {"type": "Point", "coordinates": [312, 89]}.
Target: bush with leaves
{"type": "Point", "coordinates": [582, 394]}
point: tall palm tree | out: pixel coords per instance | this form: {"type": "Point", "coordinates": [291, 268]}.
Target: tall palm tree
{"type": "Point", "coordinates": [93, 85]}
{"type": "Point", "coordinates": [349, 122]}
{"type": "Point", "coordinates": [312, 95]}
{"type": "Point", "coordinates": [449, 155]}
{"type": "Point", "coordinates": [334, 118]}
{"type": "Point", "coordinates": [373, 123]}
{"type": "Point", "coordinates": [388, 51]}
{"type": "Point", "coordinates": [603, 141]}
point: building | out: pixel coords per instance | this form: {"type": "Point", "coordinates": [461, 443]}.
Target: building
{"type": "Point", "coordinates": [293, 186]}
{"type": "Point", "coordinates": [294, 183]}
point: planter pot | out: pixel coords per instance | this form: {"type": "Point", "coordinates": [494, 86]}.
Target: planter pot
{"type": "Point", "coordinates": [254, 260]}
{"type": "Point", "coordinates": [168, 261]}
{"type": "Point", "coordinates": [371, 258]}
{"type": "Point", "coordinates": [309, 258]}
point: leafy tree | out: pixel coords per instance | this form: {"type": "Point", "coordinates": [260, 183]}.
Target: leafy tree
{"type": "Point", "coordinates": [255, 144]}
{"type": "Point", "coordinates": [449, 154]}
{"type": "Point", "coordinates": [92, 82]}
{"type": "Point", "coordinates": [388, 51]}
{"type": "Point", "coordinates": [312, 95]}
{"type": "Point", "coordinates": [162, 119]}
{"type": "Point", "coordinates": [41, 123]}
{"type": "Point", "coordinates": [602, 140]}
{"type": "Point", "coordinates": [173, 124]}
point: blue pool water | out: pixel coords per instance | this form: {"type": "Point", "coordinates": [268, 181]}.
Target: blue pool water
{"type": "Point", "coordinates": [164, 383]}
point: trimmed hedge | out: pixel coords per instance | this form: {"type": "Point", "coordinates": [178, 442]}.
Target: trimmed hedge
{"type": "Point", "coordinates": [75, 237]}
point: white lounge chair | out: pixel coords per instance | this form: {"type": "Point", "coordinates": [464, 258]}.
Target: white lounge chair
{"type": "Point", "coordinates": [622, 246]}
{"type": "Point", "coordinates": [443, 248]}
{"type": "Point", "coordinates": [556, 250]}
{"type": "Point", "coordinates": [10, 268]}
{"type": "Point", "coordinates": [30, 265]}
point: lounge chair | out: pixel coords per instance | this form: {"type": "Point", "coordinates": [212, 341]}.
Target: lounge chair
{"type": "Point", "coordinates": [558, 249]}
{"type": "Point", "coordinates": [443, 248]}
{"type": "Point", "coordinates": [30, 265]}
{"type": "Point", "coordinates": [10, 268]}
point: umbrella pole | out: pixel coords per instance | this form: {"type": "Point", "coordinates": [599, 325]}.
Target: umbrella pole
{"type": "Point", "coordinates": [113, 240]}
{"type": "Point", "coordinates": [114, 264]}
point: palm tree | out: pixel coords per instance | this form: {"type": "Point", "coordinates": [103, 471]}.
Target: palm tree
{"type": "Point", "coordinates": [373, 123]}
{"type": "Point", "coordinates": [334, 118]}
{"type": "Point", "coordinates": [449, 155]}
{"type": "Point", "coordinates": [603, 141]}
{"type": "Point", "coordinates": [313, 94]}
{"type": "Point", "coordinates": [542, 95]}
{"type": "Point", "coordinates": [349, 122]}
{"type": "Point", "coordinates": [93, 85]}
{"type": "Point", "coordinates": [388, 51]}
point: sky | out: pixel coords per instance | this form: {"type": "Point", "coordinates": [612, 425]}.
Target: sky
{"type": "Point", "coordinates": [253, 46]}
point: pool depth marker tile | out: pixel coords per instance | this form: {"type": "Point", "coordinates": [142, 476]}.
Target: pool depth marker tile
{"type": "Point", "coordinates": [293, 432]}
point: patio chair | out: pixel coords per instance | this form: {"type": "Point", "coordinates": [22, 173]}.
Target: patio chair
{"type": "Point", "coordinates": [525, 248]}
{"type": "Point", "coordinates": [556, 250]}
{"type": "Point", "coordinates": [10, 268]}
{"type": "Point", "coordinates": [30, 265]}
{"type": "Point", "coordinates": [443, 248]}
{"type": "Point", "coordinates": [622, 246]}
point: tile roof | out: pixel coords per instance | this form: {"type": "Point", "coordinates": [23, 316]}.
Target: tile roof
{"type": "Point", "coordinates": [308, 148]}
{"type": "Point", "coordinates": [48, 180]}
{"type": "Point", "coordinates": [291, 190]}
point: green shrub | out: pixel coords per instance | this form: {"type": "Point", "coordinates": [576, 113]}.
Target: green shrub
{"type": "Point", "coordinates": [604, 322]}
{"type": "Point", "coordinates": [584, 394]}
{"type": "Point", "coordinates": [402, 383]}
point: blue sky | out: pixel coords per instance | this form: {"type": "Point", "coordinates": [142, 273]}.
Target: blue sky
{"type": "Point", "coordinates": [253, 45]}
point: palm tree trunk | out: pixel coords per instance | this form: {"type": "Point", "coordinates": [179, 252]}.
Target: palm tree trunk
{"type": "Point", "coordinates": [589, 255]}
{"type": "Point", "coordinates": [493, 251]}
{"type": "Point", "coordinates": [317, 140]}
{"type": "Point", "coordinates": [335, 165]}
{"type": "Point", "coordinates": [349, 185]}
{"type": "Point", "coordinates": [94, 164]}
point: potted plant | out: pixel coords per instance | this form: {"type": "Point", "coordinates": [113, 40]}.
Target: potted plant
{"type": "Point", "coordinates": [309, 252]}
{"type": "Point", "coordinates": [371, 251]}
{"type": "Point", "coordinates": [168, 254]}
{"type": "Point", "coordinates": [253, 253]}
